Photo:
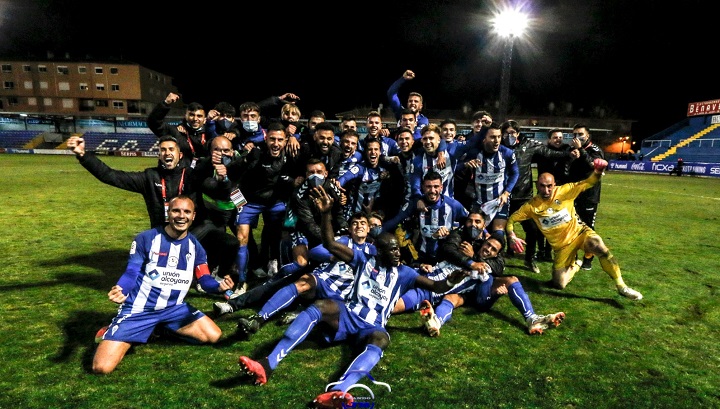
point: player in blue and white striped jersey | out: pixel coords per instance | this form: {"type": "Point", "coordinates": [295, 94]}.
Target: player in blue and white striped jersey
{"type": "Point", "coordinates": [379, 282]}
{"type": "Point", "coordinates": [332, 279]}
{"type": "Point", "coordinates": [162, 264]}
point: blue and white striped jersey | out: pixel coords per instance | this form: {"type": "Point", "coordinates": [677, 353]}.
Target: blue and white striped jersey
{"type": "Point", "coordinates": [377, 289]}
{"type": "Point", "coordinates": [163, 269]}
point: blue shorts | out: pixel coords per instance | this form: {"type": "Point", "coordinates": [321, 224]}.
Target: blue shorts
{"type": "Point", "coordinates": [250, 214]}
{"type": "Point", "coordinates": [137, 327]}
{"type": "Point", "coordinates": [482, 298]}
{"type": "Point", "coordinates": [349, 324]}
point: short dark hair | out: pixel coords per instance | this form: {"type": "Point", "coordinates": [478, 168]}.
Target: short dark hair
{"type": "Point", "coordinates": [349, 132]}
{"type": "Point", "coordinates": [325, 126]}
{"type": "Point", "coordinates": [499, 237]}
{"type": "Point", "coordinates": [194, 106]}
{"type": "Point", "coordinates": [276, 126]}
{"type": "Point", "coordinates": [166, 138]}
{"type": "Point", "coordinates": [448, 121]}
{"type": "Point", "coordinates": [225, 108]}
{"type": "Point", "coordinates": [249, 106]}
{"type": "Point", "coordinates": [432, 175]}
{"type": "Point", "coordinates": [317, 114]}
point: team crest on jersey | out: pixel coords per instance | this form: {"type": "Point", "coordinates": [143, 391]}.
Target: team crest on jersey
{"type": "Point", "coordinates": [557, 202]}
{"type": "Point", "coordinates": [188, 258]}
{"type": "Point", "coordinates": [550, 210]}
{"type": "Point", "coordinates": [172, 261]}
{"type": "Point", "coordinates": [153, 274]}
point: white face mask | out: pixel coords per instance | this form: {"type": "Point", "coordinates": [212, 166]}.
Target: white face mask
{"type": "Point", "coordinates": [512, 140]}
{"type": "Point", "coordinates": [250, 126]}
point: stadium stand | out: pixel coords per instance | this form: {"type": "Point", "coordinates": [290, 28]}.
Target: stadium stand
{"type": "Point", "coordinates": [692, 142]}
{"type": "Point", "coordinates": [17, 139]}
{"type": "Point", "coordinates": [110, 142]}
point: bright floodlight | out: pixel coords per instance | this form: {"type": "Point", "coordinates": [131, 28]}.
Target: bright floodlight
{"type": "Point", "coordinates": [510, 22]}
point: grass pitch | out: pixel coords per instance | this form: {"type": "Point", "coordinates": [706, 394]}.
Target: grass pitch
{"type": "Point", "coordinates": [66, 238]}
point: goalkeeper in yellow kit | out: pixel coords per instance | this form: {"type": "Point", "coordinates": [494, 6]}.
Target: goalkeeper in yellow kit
{"type": "Point", "coordinates": [553, 210]}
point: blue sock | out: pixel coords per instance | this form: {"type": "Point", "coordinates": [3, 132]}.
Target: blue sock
{"type": "Point", "coordinates": [242, 260]}
{"type": "Point", "coordinates": [444, 311]}
{"type": "Point", "coordinates": [520, 299]}
{"type": "Point", "coordinates": [295, 334]}
{"type": "Point", "coordinates": [361, 366]}
{"type": "Point", "coordinates": [289, 269]}
{"type": "Point", "coordinates": [279, 301]}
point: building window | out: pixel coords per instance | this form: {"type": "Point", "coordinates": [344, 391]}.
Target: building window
{"type": "Point", "coordinates": [27, 68]}
{"type": "Point", "coordinates": [101, 103]}
{"type": "Point", "coordinates": [83, 86]}
{"type": "Point", "coordinates": [12, 101]}
{"type": "Point", "coordinates": [118, 105]}
{"type": "Point", "coordinates": [6, 68]}
{"type": "Point", "coordinates": [67, 103]}
{"type": "Point", "coordinates": [43, 85]}
{"type": "Point", "coordinates": [98, 70]}
{"type": "Point", "coordinates": [64, 86]}
{"type": "Point", "coordinates": [115, 87]}
{"type": "Point", "coordinates": [32, 101]}
{"type": "Point", "coordinates": [100, 87]}
{"type": "Point", "coordinates": [114, 70]}
{"type": "Point", "coordinates": [82, 69]}
{"type": "Point", "coordinates": [63, 70]}
{"type": "Point", "coordinates": [8, 85]}
{"type": "Point", "coordinates": [42, 68]}
{"type": "Point", "coordinates": [28, 84]}
{"type": "Point", "coordinates": [47, 102]}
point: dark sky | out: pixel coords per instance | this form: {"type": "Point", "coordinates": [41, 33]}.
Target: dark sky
{"type": "Point", "coordinates": [638, 59]}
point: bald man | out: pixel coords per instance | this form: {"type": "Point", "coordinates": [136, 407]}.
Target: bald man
{"type": "Point", "coordinates": [553, 211]}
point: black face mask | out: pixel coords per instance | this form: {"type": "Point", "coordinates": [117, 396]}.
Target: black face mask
{"type": "Point", "coordinates": [223, 126]}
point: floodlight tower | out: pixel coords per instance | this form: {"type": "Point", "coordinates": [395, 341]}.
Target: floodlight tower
{"type": "Point", "coordinates": [509, 24]}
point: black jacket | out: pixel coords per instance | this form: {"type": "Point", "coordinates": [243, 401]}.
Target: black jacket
{"type": "Point", "coordinates": [264, 180]}
{"type": "Point", "coordinates": [308, 216]}
{"type": "Point", "coordinates": [193, 145]}
{"type": "Point", "coordinates": [581, 168]}
{"type": "Point", "coordinates": [527, 152]}
{"type": "Point", "coordinates": [149, 184]}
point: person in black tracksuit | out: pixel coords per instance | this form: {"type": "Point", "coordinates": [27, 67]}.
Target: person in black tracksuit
{"type": "Point", "coordinates": [190, 134]}
{"type": "Point", "coordinates": [526, 151]}
{"type": "Point", "coordinates": [464, 242]}
{"type": "Point", "coordinates": [158, 185]}
{"type": "Point", "coordinates": [586, 204]}
{"type": "Point", "coordinates": [266, 181]}
{"type": "Point", "coordinates": [559, 169]}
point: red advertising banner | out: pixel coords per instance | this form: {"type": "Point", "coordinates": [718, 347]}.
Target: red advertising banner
{"type": "Point", "coordinates": [704, 108]}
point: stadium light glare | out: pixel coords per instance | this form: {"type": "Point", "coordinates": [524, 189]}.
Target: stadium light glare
{"type": "Point", "coordinates": [509, 24]}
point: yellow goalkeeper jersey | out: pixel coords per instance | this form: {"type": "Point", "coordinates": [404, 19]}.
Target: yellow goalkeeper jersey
{"type": "Point", "coordinates": [556, 216]}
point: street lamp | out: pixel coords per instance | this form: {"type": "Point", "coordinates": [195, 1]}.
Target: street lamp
{"type": "Point", "coordinates": [508, 24]}
{"type": "Point", "coordinates": [623, 139]}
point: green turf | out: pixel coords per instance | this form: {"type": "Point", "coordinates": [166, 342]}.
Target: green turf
{"type": "Point", "coordinates": [66, 239]}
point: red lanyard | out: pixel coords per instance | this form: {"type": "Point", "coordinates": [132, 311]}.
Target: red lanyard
{"type": "Point", "coordinates": [180, 187]}
{"type": "Point", "coordinates": [202, 141]}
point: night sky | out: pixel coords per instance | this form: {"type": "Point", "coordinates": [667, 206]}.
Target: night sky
{"type": "Point", "coordinates": [639, 60]}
